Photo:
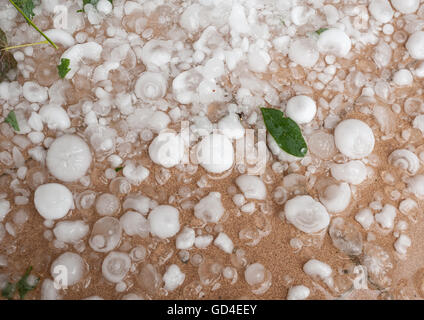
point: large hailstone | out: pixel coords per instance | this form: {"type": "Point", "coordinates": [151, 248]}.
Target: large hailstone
{"type": "Point", "coordinates": [70, 231]}
{"type": "Point", "coordinates": [354, 138]}
{"type": "Point", "coordinates": [210, 208]}
{"type": "Point", "coordinates": [406, 6]}
{"type": "Point", "coordinates": [151, 86]}
{"type": "Point", "coordinates": [415, 45]}
{"type": "Point", "coordinates": [53, 201]}
{"type": "Point", "coordinates": [68, 269]}
{"type": "Point", "coordinates": [252, 187]}
{"type": "Point", "coordinates": [167, 149]}
{"type": "Point", "coordinates": [116, 266]}
{"type": "Point", "coordinates": [306, 214]}
{"type": "Point", "coordinates": [354, 172]}
{"type": "Point", "coordinates": [336, 197]}
{"type": "Point", "coordinates": [334, 41]}
{"type": "Point", "coordinates": [301, 109]}
{"type": "Point", "coordinates": [68, 158]}
{"type": "Point", "coordinates": [164, 221]}
{"type": "Point", "coordinates": [381, 10]}
{"type": "Point", "coordinates": [215, 153]}
{"type": "Point", "coordinates": [304, 52]}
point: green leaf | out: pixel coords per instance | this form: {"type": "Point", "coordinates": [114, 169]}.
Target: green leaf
{"type": "Point", "coordinates": [7, 61]}
{"type": "Point", "coordinates": [11, 119]}
{"type": "Point", "coordinates": [320, 30]}
{"type": "Point", "coordinates": [285, 131]}
{"type": "Point", "coordinates": [119, 169]}
{"type": "Point", "coordinates": [9, 291]}
{"type": "Point", "coordinates": [23, 286]}
{"type": "Point", "coordinates": [63, 68]}
{"type": "Point", "coordinates": [92, 2]}
{"type": "Point", "coordinates": [27, 6]}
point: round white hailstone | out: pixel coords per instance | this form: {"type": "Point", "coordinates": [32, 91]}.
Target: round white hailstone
{"type": "Point", "coordinates": [224, 242]}
{"type": "Point", "coordinates": [202, 242]}
{"type": "Point", "coordinates": [185, 85]}
{"type": "Point", "coordinates": [215, 153]}
{"type": "Point", "coordinates": [105, 235]}
{"type": "Point", "coordinates": [33, 92]}
{"type": "Point", "coordinates": [70, 231]}
{"type": "Point", "coordinates": [231, 127]}
{"type": "Point", "coordinates": [255, 274]}
{"type": "Point", "coordinates": [336, 198]}
{"type": "Point", "coordinates": [48, 290]}
{"type": "Point", "coordinates": [415, 45]}
{"type": "Point", "coordinates": [406, 160]}
{"type": "Point", "coordinates": [138, 203]}
{"type": "Point", "coordinates": [135, 223]}
{"type": "Point", "coordinates": [79, 52]}
{"type": "Point", "coordinates": [185, 240]}
{"type": "Point", "coordinates": [354, 138]}
{"type": "Point", "coordinates": [156, 53]}
{"type": "Point", "coordinates": [306, 214]}
{"type": "Point", "coordinates": [386, 216]}
{"type": "Point", "coordinates": [210, 208]}
{"type": "Point", "coordinates": [304, 52]}
{"type": "Point", "coordinates": [135, 175]}
{"type": "Point", "coordinates": [416, 185]}
{"type": "Point", "coordinates": [316, 268]}
{"type": "Point", "coordinates": [335, 42]}
{"type": "Point", "coordinates": [252, 187]}
{"type": "Point", "coordinates": [403, 77]}
{"type": "Point", "coordinates": [151, 86]}
{"type": "Point", "coordinates": [68, 158]}
{"type": "Point", "coordinates": [104, 6]}
{"type": "Point", "coordinates": [107, 204]}
{"type": "Point", "coordinates": [68, 269]}
{"type": "Point", "coordinates": [300, 14]}
{"type": "Point", "coordinates": [298, 293]}
{"type": "Point", "coordinates": [406, 6]}
{"type": "Point", "coordinates": [214, 68]}
{"type": "Point", "coordinates": [278, 152]}
{"type": "Point", "coordinates": [381, 10]}
{"type": "Point", "coordinates": [55, 117]}
{"type": "Point", "coordinates": [116, 266]}
{"type": "Point", "coordinates": [258, 60]}
{"type": "Point", "coordinates": [167, 149]}
{"type": "Point", "coordinates": [53, 201]}
{"type": "Point", "coordinates": [301, 109]}
{"type": "Point", "coordinates": [159, 121]}
{"type": "Point", "coordinates": [402, 244]}
{"type": "Point", "coordinates": [164, 221]}
{"type": "Point", "coordinates": [173, 277]}
{"type": "Point", "coordinates": [365, 218]}
{"type": "Point", "coordinates": [354, 172]}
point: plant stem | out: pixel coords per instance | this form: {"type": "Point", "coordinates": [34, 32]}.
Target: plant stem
{"type": "Point", "coordinates": [25, 45]}
{"type": "Point", "coordinates": [32, 24]}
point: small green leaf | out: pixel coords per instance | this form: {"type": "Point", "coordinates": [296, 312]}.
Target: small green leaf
{"type": "Point", "coordinates": [23, 286]}
{"type": "Point", "coordinates": [9, 291]}
{"type": "Point", "coordinates": [285, 131]}
{"type": "Point", "coordinates": [11, 119]}
{"type": "Point", "coordinates": [320, 30]}
{"type": "Point", "coordinates": [119, 169]}
{"type": "Point", "coordinates": [63, 68]}
{"type": "Point", "coordinates": [7, 61]}
{"type": "Point", "coordinates": [27, 6]}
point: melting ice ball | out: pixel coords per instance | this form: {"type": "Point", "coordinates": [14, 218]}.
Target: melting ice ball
{"type": "Point", "coordinates": [116, 266]}
{"type": "Point", "coordinates": [215, 153]}
{"type": "Point", "coordinates": [252, 187]}
{"type": "Point", "coordinates": [167, 149]}
{"type": "Point", "coordinates": [298, 293]}
{"type": "Point", "coordinates": [415, 45]}
{"type": "Point", "coordinates": [336, 197]}
{"type": "Point", "coordinates": [301, 109]}
{"type": "Point", "coordinates": [164, 221]}
{"type": "Point", "coordinates": [334, 41]}
{"type": "Point", "coordinates": [306, 214]}
{"type": "Point", "coordinates": [53, 201]}
{"type": "Point", "coordinates": [258, 278]}
{"type": "Point", "coordinates": [406, 6]}
{"type": "Point", "coordinates": [354, 138]}
{"type": "Point", "coordinates": [68, 158]}
{"type": "Point", "coordinates": [68, 268]}
{"type": "Point", "coordinates": [105, 235]}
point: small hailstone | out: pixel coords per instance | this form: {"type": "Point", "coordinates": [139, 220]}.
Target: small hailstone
{"type": "Point", "coordinates": [354, 172]}
{"type": "Point", "coordinates": [248, 208]}
{"type": "Point", "coordinates": [252, 187]}
{"type": "Point", "coordinates": [416, 185]}
{"type": "Point", "coordinates": [231, 127]}
{"type": "Point", "coordinates": [79, 52]}
{"type": "Point", "coordinates": [381, 10]}
{"type": "Point", "coordinates": [35, 121]}
{"type": "Point", "coordinates": [135, 223]}
{"type": "Point", "coordinates": [403, 77]}
{"type": "Point", "coordinates": [298, 293]}
{"type": "Point", "coordinates": [215, 153]}
{"type": "Point", "coordinates": [386, 217]}
{"type": "Point", "coordinates": [173, 277]}
{"type": "Point", "coordinates": [164, 221]}
{"type": "Point", "coordinates": [70, 231]}
{"type": "Point", "coordinates": [258, 59]}
{"type": "Point", "coordinates": [415, 45]}
{"type": "Point", "coordinates": [104, 6]}
{"type": "Point", "coordinates": [107, 204]}
{"type": "Point", "coordinates": [306, 214]}
{"type": "Point", "coordinates": [49, 291]}
{"type": "Point", "coordinates": [301, 109]}
{"type": "Point", "coordinates": [68, 158]}
{"type": "Point", "coordinates": [116, 266]}
{"type": "Point", "coordinates": [4, 208]}
{"type": "Point", "coordinates": [304, 52]}
{"type": "Point", "coordinates": [55, 117]}
{"type": "Point", "coordinates": [53, 201]}
{"type": "Point", "coordinates": [69, 264]}
{"type": "Point", "coordinates": [402, 244]}
{"type": "Point", "coordinates": [167, 149]}
{"type": "Point", "coordinates": [335, 42]}
{"type": "Point", "coordinates": [365, 218]}
{"type": "Point", "coordinates": [317, 268]}
{"type": "Point", "coordinates": [406, 6]}
{"type": "Point", "coordinates": [134, 174]}
{"type": "Point", "coordinates": [354, 138]}
{"type": "Point", "coordinates": [336, 197]}
{"type": "Point", "coordinates": [239, 200]}
{"type": "Point", "coordinates": [300, 14]}
{"type": "Point", "coordinates": [33, 92]}
{"type": "Point", "coordinates": [185, 239]}
{"type": "Point", "coordinates": [210, 208]}
{"type": "Point", "coordinates": [224, 242]}
{"type": "Point", "coordinates": [202, 242]}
